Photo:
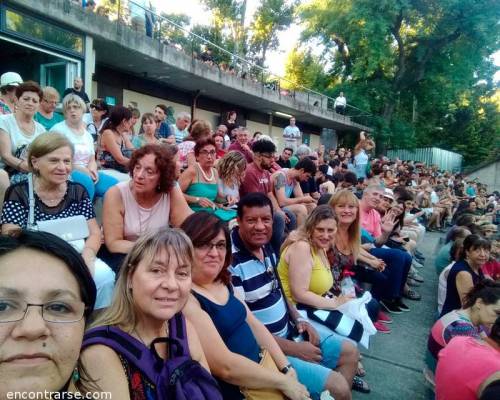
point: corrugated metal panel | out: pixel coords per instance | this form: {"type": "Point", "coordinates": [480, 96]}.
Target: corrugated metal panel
{"type": "Point", "coordinates": [444, 159]}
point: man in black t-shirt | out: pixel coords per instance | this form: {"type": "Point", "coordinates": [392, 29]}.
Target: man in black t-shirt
{"type": "Point", "coordinates": [78, 90]}
{"type": "Point", "coordinates": [284, 160]}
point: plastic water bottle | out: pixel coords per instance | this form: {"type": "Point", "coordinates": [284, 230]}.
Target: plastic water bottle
{"type": "Point", "coordinates": [347, 287]}
{"type": "Point", "coordinates": [326, 396]}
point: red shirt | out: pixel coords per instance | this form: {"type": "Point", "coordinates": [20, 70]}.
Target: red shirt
{"type": "Point", "coordinates": [370, 220]}
{"type": "Point", "coordinates": [256, 180]}
{"type": "Point", "coordinates": [236, 146]}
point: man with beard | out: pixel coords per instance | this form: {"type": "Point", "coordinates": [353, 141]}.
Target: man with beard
{"type": "Point", "coordinates": [258, 179]}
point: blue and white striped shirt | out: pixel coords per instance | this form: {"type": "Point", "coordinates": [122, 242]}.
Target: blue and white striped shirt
{"type": "Point", "coordinates": [255, 282]}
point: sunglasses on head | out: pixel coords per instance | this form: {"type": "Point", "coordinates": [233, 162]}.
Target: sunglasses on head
{"type": "Point", "coordinates": [96, 107]}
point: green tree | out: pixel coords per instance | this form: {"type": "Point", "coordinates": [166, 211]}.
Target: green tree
{"type": "Point", "coordinates": [304, 69]}
{"type": "Point", "coordinates": [229, 17]}
{"type": "Point", "coordinates": [171, 29]}
{"type": "Point", "coordinates": [271, 17]}
{"type": "Point", "coordinates": [412, 58]}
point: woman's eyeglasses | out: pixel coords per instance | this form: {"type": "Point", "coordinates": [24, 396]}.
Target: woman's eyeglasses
{"type": "Point", "coordinates": [55, 311]}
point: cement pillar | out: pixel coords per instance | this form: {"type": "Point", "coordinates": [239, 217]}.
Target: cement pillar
{"type": "Point", "coordinates": [89, 68]}
{"type": "Point", "coordinates": [270, 126]}
{"type": "Point", "coordinates": [329, 138]}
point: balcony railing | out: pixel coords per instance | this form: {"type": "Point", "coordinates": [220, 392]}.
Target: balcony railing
{"type": "Point", "coordinates": [143, 19]}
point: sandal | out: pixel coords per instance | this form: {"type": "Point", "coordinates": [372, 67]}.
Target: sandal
{"type": "Point", "coordinates": [361, 370]}
{"type": "Point", "coordinates": [359, 385]}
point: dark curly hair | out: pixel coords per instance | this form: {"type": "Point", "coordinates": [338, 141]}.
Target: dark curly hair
{"type": "Point", "coordinates": [164, 161]}
{"type": "Point", "coordinates": [29, 86]}
{"type": "Point", "coordinates": [203, 227]}
{"type": "Point", "coordinates": [486, 290]}
{"type": "Point", "coordinates": [200, 144]}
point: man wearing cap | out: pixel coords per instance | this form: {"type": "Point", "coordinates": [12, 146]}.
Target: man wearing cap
{"type": "Point", "coordinates": [78, 90]}
{"type": "Point", "coordinates": [8, 83]}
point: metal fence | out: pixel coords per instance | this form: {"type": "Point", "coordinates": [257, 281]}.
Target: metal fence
{"type": "Point", "coordinates": [444, 159]}
{"type": "Point", "coordinates": [172, 34]}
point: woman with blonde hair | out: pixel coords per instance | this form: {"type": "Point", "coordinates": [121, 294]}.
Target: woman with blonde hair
{"type": "Point", "coordinates": [231, 169]}
{"type": "Point", "coordinates": [346, 251]}
{"type": "Point", "coordinates": [151, 290]}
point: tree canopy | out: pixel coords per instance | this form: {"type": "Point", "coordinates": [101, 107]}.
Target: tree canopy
{"type": "Point", "coordinates": [422, 67]}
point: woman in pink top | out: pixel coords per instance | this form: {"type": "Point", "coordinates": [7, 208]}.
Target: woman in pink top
{"type": "Point", "coordinates": [468, 368]}
{"type": "Point", "coordinates": [150, 200]}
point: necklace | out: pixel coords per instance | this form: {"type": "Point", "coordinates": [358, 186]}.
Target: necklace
{"type": "Point", "coordinates": [27, 129]}
{"type": "Point", "coordinates": [204, 175]}
{"type": "Point", "coordinates": [52, 200]}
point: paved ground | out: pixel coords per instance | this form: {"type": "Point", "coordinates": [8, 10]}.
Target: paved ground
{"type": "Point", "coordinates": [394, 362]}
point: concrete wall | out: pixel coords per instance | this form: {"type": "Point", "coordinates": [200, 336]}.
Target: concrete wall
{"type": "Point", "coordinates": [147, 103]}
{"type": "Point", "coordinates": [489, 175]}
{"type": "Point", "coordinates": [209, 116]}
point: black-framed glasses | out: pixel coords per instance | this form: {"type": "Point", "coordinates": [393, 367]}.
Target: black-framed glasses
{"type": "Point", "coordinates": [54, 311]}
{"type": "Point", "coordinates": [208, 153]}
{"type": "Point", "coordinates": [219, 246]}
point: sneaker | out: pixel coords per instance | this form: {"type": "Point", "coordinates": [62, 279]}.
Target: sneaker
{"type": "Point", "coordinates": [416, 264]}
{"type": "Point", "coordinates": [412, 295]}
{"type": "Point", "coordinates": [402, 306]}
{"type": "Point", "coordinates": [419, 255]}
{"type": "Point", "coordinates": [412, 282]}
{"type": "Point", "coordinates": [359, 385]}
{"type": "Point", "coordinates": [390, 306]}
{"type": "Point", "coordinates": [384, 318]}
{"type": "Point", "coordinates": [381, 328]}
{"type": "Point", "coordinates": [416, 276]}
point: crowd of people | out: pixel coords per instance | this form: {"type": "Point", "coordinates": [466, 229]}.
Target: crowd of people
{"type": "Point", "coordinates": [221, 268]}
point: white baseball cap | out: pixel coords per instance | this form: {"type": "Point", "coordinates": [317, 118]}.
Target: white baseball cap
{"type": "Point", "coordinates": [10, 79]}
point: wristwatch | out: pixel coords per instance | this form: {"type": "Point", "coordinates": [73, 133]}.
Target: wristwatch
{"type": "Point", "coordinates": [286, 368]}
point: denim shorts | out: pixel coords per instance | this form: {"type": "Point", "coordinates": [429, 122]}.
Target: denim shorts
{"type": "Point", "coordinates": [314, 376]}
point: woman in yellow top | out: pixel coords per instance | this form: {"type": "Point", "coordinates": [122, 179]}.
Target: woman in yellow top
{"type": "Point", "coordinates": [306, 277]}
{"type": "Point", "coordinates": [304, 268]}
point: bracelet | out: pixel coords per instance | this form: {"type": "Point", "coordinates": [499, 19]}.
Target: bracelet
{"type": "Point", "coordinates": [286, 368]}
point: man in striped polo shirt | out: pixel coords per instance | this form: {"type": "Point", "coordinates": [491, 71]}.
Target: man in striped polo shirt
{"type": "Point", "coordinates": [322, 359]}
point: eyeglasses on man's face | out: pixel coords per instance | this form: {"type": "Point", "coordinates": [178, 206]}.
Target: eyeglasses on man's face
{"type": "Point", "coordinates": [13, 310]}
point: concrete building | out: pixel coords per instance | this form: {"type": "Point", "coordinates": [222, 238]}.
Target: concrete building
{"type": "Point", "coordinates": [487, 173]}
{"type": "Point", "coordinates": [52, 41]}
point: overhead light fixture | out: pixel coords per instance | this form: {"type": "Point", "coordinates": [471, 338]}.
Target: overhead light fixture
{"type": "Point", "coordinates": [283, 114]}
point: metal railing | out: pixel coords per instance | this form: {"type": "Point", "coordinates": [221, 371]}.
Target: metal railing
{"type": "Point", "coordinates": [171, 33]}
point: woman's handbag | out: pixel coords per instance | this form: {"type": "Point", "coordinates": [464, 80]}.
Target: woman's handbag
{"type": "Point", "coordinates": [267, 362]}
{"type": "Point", "coordinates": [74, 229]}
